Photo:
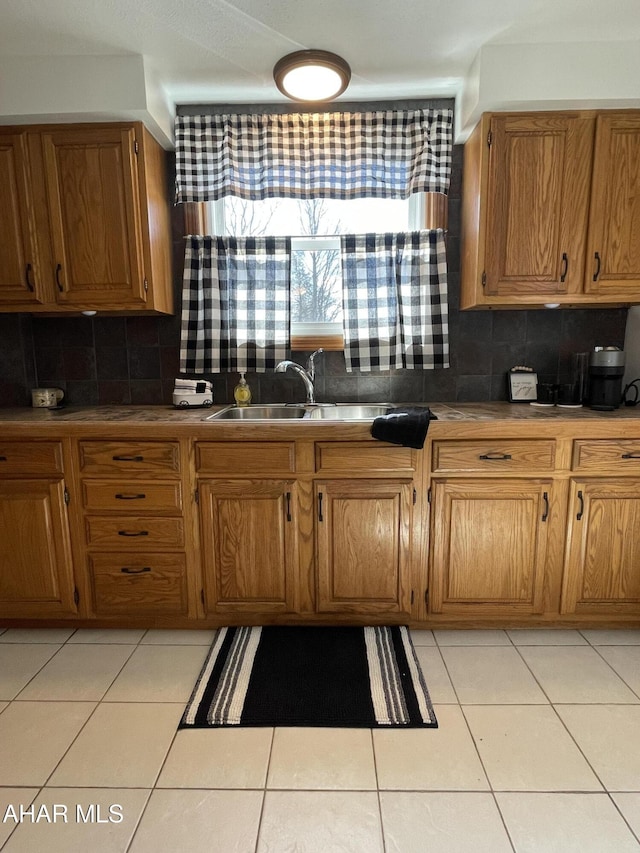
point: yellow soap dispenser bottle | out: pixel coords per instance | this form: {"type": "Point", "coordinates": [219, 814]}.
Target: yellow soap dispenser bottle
{"type": "Point", "coordinates": [242, 392]}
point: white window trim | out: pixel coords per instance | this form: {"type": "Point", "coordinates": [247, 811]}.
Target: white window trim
{"type": "Point", "coordinates": [307, 243]}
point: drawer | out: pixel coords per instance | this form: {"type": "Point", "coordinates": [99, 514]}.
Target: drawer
{"type": "Point", "coordinates": [135, 497]}
{"type": "Point", "coordinates": [134, 533]}
{"type": "Point", "coordinates": [135, 584]}
{"type": "Point", "coordinates": [615, 455]}
{"type": "Point", "coordinates": [246, 458]}
{"type": "Point", "coordinates": [493, 455]}
{"type": "Point", "coordinates": [113, 458]}
{"type": "Point", "coordinates": [30, 457]}
{"type": "Point", "coordinates": [363, 457]}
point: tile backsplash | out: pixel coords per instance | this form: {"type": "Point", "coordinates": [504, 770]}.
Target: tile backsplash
{"type": "Point", "coordinates": [121, 360]}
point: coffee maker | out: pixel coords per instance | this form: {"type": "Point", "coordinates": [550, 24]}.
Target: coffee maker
{"type": "Point", "coordinates": [606, 369]}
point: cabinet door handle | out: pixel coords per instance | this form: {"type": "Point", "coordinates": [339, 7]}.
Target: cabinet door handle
{"type": "Point", "coordinates": [545, 498]}
{"type": "Point", "coordinates": [581, 510]}
{"type": "Point", "coordinates": [58, 282]}
{"type": "Point", "coordinates": [320, 516]}
{"type": "Point", "coordinates": [288, 497]}
{"type": "Point", "coordinates": [128, 571]}
{"type": "Point", "coordinates": [128, 458]}
{"type": "Point", "coordinates": [598, 264]}
{"type": "Point", "coordinates": [495, 457]}
{"type": "Point", "coordinates": [565, 266]}
{"type": "Point", "coordinates": [136, 533]}
{"type": "Point", "coordinates": [121, 497]}
{"type": "Point", "coordinates": [630, 456]}
{"type": "Point", "coordinates": [27, 277]}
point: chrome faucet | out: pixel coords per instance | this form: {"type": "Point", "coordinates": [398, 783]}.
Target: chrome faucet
{"type": "Point", "coordinates": [308, 376]}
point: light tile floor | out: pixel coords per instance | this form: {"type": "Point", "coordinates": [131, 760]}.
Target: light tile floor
{"type": "Point", "coordinates": [538, 751]}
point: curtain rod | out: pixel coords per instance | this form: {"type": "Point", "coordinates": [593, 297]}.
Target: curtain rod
{"type": "Point", "coordinates": [331, 107]}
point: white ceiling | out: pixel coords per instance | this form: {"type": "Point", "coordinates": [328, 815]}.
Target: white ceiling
{"type": "Point", "coordinates": [221, 51]}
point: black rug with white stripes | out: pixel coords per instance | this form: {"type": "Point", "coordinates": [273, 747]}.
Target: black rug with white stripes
{"type": "Point", "coordinates": [311, 676]}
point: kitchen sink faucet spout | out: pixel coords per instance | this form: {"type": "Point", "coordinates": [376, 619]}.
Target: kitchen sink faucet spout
{"type": "Point", "coordinates": [308, 376]}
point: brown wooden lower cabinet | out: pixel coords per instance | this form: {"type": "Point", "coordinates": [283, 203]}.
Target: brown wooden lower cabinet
{"type": "Point", "coordinates": [363, 546]}
{"type": "Point", "coordinates": [36, 578]}
{"type": "Point", "coordinates": [488, 546]}
{"type": "Point", "coordinates": [602, 569]}
{"type": "Point", "coordinates": [248, 532]}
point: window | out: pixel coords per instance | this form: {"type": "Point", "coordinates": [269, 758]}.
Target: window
{"type": "Point", "coordinates": [314, 226]}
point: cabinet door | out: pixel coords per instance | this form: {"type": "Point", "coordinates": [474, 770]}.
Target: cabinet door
{"type": "Point", "coordinates": [94, 211]}
{"type": "Point", "coordinates": [489, 543]}
{"type": "Point", "coordinates": [35, 551]}
{"type": "Point", "coordinates": [602, 567]}
{"type": "Point", "coordinates": [249, 545]}
{"type": "Point", "coordinates": [363, 546]}
{"type": "Point", "coordinates": [538, 197]}
{"type": "Point", "coordinates": [613, 257]}
{"type": "Point", "coordinates": [19, 266]}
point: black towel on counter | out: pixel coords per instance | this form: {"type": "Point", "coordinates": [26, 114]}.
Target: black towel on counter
{"type": "Point", "coordinates": [406, 426]}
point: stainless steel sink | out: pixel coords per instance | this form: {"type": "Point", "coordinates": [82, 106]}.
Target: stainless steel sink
{"type": "Point", "coordinates": [320, 412]}
{"type": "Point", "coordinates": [344, 412]}
{"type": "Point", "coordinates": [258, 413]}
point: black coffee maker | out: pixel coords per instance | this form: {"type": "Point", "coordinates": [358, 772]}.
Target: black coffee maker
{"type": "Point", "coordinates": [606, 369]}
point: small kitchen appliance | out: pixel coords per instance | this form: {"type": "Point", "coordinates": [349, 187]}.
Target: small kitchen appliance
{"type": "Point", "coordinates": [606, 369]}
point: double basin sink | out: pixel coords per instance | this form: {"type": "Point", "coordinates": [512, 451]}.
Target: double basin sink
{"type": "Point", "coordinates": [309, 412]}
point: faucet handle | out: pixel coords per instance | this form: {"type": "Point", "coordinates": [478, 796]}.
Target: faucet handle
{"type": "Point", "coordinates": [311, 367]}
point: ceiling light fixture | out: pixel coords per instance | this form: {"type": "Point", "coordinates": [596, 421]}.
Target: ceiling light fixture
{"type": "Point", "coordinates": [312, 75]}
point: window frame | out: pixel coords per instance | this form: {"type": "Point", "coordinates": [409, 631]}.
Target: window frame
{"type": "Point", "coordinates": [426, 211]}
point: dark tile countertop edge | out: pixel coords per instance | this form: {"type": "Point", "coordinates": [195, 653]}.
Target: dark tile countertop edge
{"type": "Point", "coordinates": [171, 415]}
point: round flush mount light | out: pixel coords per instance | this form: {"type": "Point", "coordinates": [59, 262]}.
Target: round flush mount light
{"type": "Point", "coordinates": [312, 75]}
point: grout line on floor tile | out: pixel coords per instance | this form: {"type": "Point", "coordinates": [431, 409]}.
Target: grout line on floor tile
{"type": "Point", "coordinates": [636, 835]}
{"type": "Point", "coordinates": [615, 672]}
{"type": "Point", "coordinates": [140, 816]}
{"type": "Point", "coordinates": [35, 797]}
{"type": "Point", "coordinates": [264, 789]}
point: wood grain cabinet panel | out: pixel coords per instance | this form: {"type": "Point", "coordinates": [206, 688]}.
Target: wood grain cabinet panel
{"type": "Point", "coordinates": [131, 457]}
{"type": "Point", "coordinates": [364, 458]}
{"type": "Point", "coordinates": [493, 455]}
{"type": "Point", "coordinates": [539, 170]}
{"type": "Point", "coordinates": [134, 533]}
{"type": "Point", "coordinates": [249, 552]}
{"type": "Point", "coordinates": [36, 578]}
{"type": "Point", "coordinates": [602, 568]}
{"type": "Point", "coordinates": [137, 496]}
{"type": "Point", "coordinates": [551, 209]}
{"type": "Point", "coordinates": [613, 248]}
{"type": "Point", "coordinates": [363, 546]}
{"type": "Point", "coordinates": [30, 457]}
{"type": "Point", "coordinates": [133, 584]}
{"type": "Point", "coordinates": [84, 220]}
{"type": "Point", "coordinates": [489, 544]}
{"type": "Point", "coordinates": [20, 267]}
{"type": "Point", "coordinates": [620, 455]}
{"type": "Point", "coordinates": [230, 458]}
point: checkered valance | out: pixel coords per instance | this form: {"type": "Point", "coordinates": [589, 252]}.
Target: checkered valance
{"type": "Point", "coordinates": [395, 301]}
{"type": "Point", "coordinates": [384, 154]}
{"type": "Point", "coordinates": [235, 304]}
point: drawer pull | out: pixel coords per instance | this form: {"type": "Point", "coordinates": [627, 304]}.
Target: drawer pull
{"type": "Point", "coordinates": [122, 497]}
{"type": "Point", "coordinates": [137, 533]}
{"type": "Point", "coordinates": [545, 498]}
{"type": "Point", "coordinates": [495, 457]}
{"type": "Point", "coordinates": [630, 456]}
{"type": "Point", "coordinates": [128, 571]}
{"type": "Point", "coordinates": [581, 511]}
{"type": "Point", "coordinates": [128, 458]}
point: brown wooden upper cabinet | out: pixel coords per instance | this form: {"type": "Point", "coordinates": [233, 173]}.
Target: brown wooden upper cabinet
{"type": "Point", "coordinates": [551, 210]}
{"type": "Point", "coordinates": [84, 220]}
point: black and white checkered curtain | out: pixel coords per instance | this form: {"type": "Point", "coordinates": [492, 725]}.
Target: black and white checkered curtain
{"type": "Point", "coordinates": [384, 154]}
{"type": "Point", "coordinates": [395, 301]}
{"type": "Point", "coordinates": [235, 304]}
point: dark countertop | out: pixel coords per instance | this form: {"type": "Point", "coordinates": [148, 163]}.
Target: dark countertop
{"type": "Point", "coordinates": [168, 415]}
